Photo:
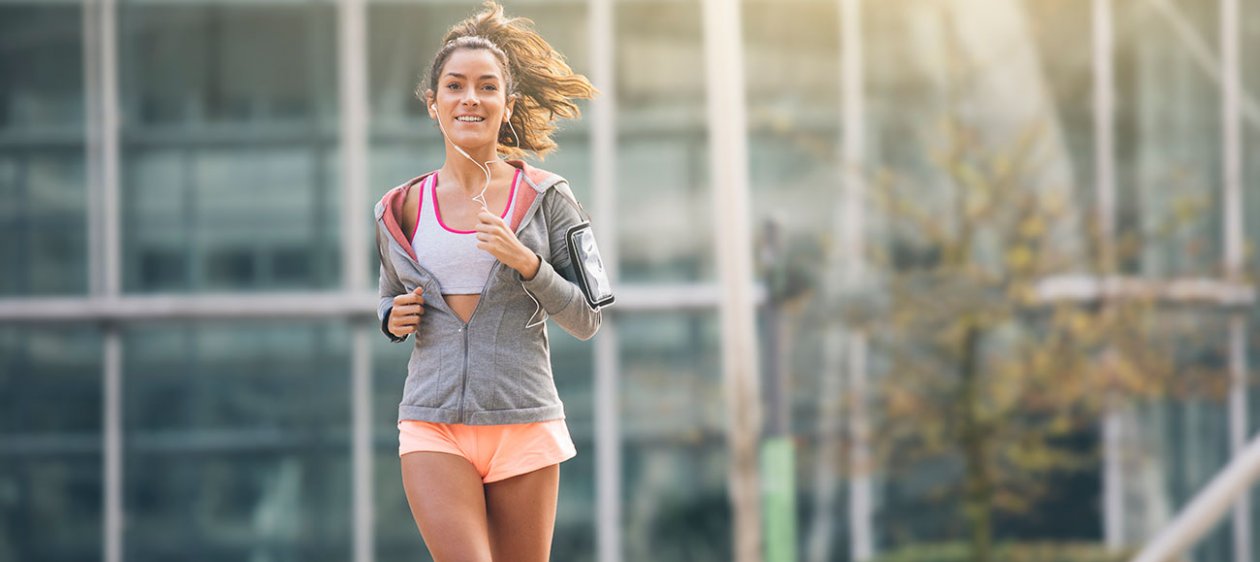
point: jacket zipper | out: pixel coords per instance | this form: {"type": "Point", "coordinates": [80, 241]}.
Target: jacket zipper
{"type": "Point", "coordinates": [464, 383]}
{"type": "Point", "coordinates": [529, 215]}
{"type": "Point", "coordinates": [485, 288]}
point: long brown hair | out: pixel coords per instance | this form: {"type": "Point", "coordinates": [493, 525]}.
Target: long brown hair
{"type": "Point", "coordinates": [533, 71]}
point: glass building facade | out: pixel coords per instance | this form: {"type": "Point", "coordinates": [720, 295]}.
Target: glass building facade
{"type": "Point", "coordinates": [133, 428]}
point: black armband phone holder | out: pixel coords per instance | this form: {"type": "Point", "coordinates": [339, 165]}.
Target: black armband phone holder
{"type": "Point", "coordinates": [588, 268]}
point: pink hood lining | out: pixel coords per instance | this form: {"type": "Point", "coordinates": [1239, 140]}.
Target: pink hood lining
{"type": "Point", "coordinates": [395, 197]}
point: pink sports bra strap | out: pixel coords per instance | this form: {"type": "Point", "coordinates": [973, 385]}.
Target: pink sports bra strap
{"type": "Point", "coordinates": [452, 255]}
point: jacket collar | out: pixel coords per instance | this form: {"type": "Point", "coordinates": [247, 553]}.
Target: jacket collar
{"type": "Point", "coordinates": [389, 208]}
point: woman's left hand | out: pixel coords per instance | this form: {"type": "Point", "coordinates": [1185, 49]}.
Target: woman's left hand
{"type": "Point", "coordinates": [494, 236]}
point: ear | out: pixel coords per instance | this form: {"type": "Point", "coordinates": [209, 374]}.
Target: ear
{"type": "Point", "coordinates": [511, 106]}
{"type": "Point", "coordinates": [428, 104]}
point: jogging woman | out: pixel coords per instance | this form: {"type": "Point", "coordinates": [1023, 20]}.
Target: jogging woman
{"type": "Point", "coordinates": [474, 259]}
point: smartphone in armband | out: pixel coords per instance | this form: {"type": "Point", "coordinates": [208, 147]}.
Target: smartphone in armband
{"type": "Point", "coordinates": [589, 270]}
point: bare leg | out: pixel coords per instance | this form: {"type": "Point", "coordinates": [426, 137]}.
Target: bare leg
{"type": "Point", "coordinates": [448, 503]}
{"type": "Point", "coordinates": [522, 515]}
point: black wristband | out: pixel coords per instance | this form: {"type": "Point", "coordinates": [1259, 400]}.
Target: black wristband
{"type": "Point", "coordinates": [385, 327]}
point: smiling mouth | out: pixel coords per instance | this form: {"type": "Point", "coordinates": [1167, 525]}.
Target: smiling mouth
{"type": "Point", "coordinates": [470, 119]}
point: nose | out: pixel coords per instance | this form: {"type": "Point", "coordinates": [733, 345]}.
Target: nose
{"type": "Point", "coordinates": [469, 97]}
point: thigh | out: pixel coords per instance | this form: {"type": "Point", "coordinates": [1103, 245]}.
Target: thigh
{"type": "Point", "coordinates": [448, 502]}
{"type": "Point", "coordinates": [522, 515]}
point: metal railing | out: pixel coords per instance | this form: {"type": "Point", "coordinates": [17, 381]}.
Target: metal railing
{"type": "Point", "coordinates": [1207, 508]}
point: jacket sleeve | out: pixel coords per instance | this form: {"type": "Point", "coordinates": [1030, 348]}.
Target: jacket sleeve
{"type": "Point", "coordinates": [561, 297]}
{"type": "Point", "coordinates": [389, 287]}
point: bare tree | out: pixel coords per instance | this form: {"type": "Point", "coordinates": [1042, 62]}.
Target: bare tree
{"type": "Point", "coordinates": [983, 371]}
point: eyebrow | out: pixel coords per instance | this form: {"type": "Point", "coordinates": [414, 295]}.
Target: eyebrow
{"type": "Point", "coordinates": [483, 76]}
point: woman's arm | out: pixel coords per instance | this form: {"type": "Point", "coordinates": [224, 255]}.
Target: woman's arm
{"type": "Point", "coordinates": [388, 287]}
{"type": "Point", "coordinates": [561, 297]}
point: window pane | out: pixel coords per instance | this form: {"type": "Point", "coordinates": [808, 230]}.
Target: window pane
{"type": "Point", "coordinates": [197, 65]}
{"type": "Point", "coordinates": [229, 166]}
{"type": "Point", "coordinates": [1168, 136]}
{"type": "Point", "coordinates": [662, 143]}
{"type": "Point", "coordinates": [232, 219]}
{"type": "Point", "coordinates": [792, 72]}
{"type": "Point", "coordinates": [237, 441]}
{"type": "Point", "coordinates": [41, 69]}
{"type": "Point", "coordinates": [674, 451]}
{"type": "Point", "coordinates": [43, 210]}
{"type": "Point", "coordinates": [1187, 436]}
{"type": "Point", "coordinates": [50, 444]}
{"type": "Point", "coordinates": [1067, 68]}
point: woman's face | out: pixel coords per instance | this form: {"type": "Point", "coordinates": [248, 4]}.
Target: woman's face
{"type": "Point", "coordinates": [470, 102]}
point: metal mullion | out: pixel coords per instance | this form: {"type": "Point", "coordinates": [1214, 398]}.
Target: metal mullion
{"type": "Point", "coordinates": [1104, 177]}
{"type": "Point", "coordinates": [110, 154]}
{"type": "Point", "coordinates": [361, 449]}
{"type": "Point", "coordinates": [634, 298]}
{"type": "Point", "coordinates": [113, 446]}
{"type": "Point", "coordinates": [92, 128]}
{"type": "Point", "coordinates": [111, 520]}
{"type": "Point", "coordinates": [1202, 513]}
{"type": "Point", "coordinates": [352, 107]}
{"type": "Point", "coordinates": [101, 100]}
{"type": "Point", "coordinates": [728, 164]}
{"type": "Point", "coordinates": [352, 58]}
{"type": "Point", "coordinates": [1215, 292]}
{"type": "Point", "coordinates": [851, 227]}
{"type": "Point", "coordinates": [1232, 210]}
{"type": "Point", "coordinates": [602, 29]}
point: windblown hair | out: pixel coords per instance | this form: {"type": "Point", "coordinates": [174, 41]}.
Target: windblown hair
{"type": "Point", "coordinates": [537, 74]}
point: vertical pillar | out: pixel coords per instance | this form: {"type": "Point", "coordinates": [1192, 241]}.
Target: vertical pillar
{"type": "Point", "coordinates": [1232, 214]}
{"type": "Point", "coordinates": [852, 228]}
{"type": "Point", "coordinates": [352, 97]}
{"type": "Point", "coordinates": [728, 165]}
{"type": "Point", "coordinates": [602, 120]}
{"type": "Point", "coordinates": [1104, 179]}
{"type": "Point", "coordinates": [100, 68]}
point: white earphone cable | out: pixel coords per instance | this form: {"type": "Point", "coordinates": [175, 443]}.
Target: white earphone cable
{"type": "Point", "coordinates": [484, 166]}
{"type": "Point", "coordinates": [481, 198]}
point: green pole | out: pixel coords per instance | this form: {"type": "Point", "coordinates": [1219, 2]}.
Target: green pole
{"type": "Point", "coordinates": [778, 508]}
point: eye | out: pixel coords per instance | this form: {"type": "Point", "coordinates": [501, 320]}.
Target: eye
{"type": "Point", "coordinates": [452, 85]}
{"type": "Point", "coordinates": [491, 87]}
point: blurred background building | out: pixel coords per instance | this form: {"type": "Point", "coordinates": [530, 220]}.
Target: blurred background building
{"type": "Point", "coordinates": [189, 365]}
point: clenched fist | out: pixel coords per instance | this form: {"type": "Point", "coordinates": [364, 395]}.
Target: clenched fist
{"type": "Point", "coordinates": [496, 237]}
{"type": "Point", "coordinates": [405, 315]}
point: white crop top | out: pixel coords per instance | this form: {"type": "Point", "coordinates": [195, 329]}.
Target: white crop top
{"type": "Point", "coordinates": [452, 255]}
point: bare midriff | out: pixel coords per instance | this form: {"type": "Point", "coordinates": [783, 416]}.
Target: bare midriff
{"type": "Point", "coordinates": [463, 305]}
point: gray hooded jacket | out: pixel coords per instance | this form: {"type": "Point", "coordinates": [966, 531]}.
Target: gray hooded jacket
{"type": "Point", "coordinates": [492, 369]}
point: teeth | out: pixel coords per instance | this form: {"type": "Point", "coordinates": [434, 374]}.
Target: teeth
{"type": "Point", "coordinates": [470, 119]}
